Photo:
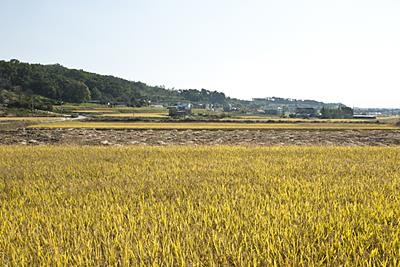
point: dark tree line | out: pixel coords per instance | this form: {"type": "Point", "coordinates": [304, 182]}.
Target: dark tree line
{"type": "Point", "coordinates": [341, 112]}
{"type": "Point", "coordinates": [43, 81]}
{"type": "Point", "coordinates": [203, 95]}
{"type": "Point", "coordinates": [58, 83]}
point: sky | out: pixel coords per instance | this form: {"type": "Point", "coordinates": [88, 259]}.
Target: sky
{"type": "Point", "coordinates": [335, 51]}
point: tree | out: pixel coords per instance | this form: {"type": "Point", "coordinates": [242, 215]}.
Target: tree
{"type": "Point", "coordinates": [340, 112]}
{"type": "Point", "coordinates": [95, 93]}
{"type": "Point", "coordinates": [75, 91]}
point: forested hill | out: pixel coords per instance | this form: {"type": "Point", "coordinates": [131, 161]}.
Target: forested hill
{"type": "Point", "coordinates": [57, 83]}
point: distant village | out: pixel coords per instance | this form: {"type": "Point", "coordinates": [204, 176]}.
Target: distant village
{"type": "Point", "coordinates": [278, 107]}
{"type": "Point", "coordinates": [271, 107]}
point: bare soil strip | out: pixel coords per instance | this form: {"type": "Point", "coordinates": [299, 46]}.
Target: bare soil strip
{"type": "Point", "coordinates": [200, 137]}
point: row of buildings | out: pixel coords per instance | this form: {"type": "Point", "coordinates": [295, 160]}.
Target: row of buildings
{"type": "Point", "coordinates": [327, 112]}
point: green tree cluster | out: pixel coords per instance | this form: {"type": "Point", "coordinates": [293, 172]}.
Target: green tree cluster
{"type": "Point", "coordinates": [341, 112]}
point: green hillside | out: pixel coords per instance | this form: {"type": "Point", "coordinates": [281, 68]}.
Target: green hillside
{"type": "Point", "coordinates": [49, 84]}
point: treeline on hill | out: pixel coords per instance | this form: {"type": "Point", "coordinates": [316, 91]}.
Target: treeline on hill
{"type": "Point", "coordinates": [27, 85]}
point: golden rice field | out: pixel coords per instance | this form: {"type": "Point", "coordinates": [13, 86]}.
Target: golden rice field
{"type": "Point", "coordinates": [136, 115]}
{"type": "Point", "coordinates": [199, 206]}
{"type": "Point", "coordinates": [100, 109]}
{"type": "Point", "coordinates": [293, 120]}
{"type": "Point", "coordinates": [214, 125]}
{"type": "Point", "coordinates": [30, 119]}
{"type": "Point", "coordinates": [116, 111]}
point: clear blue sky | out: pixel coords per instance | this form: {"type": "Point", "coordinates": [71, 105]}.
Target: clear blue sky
{"type": "Point", "coordinates": [337, 51]}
